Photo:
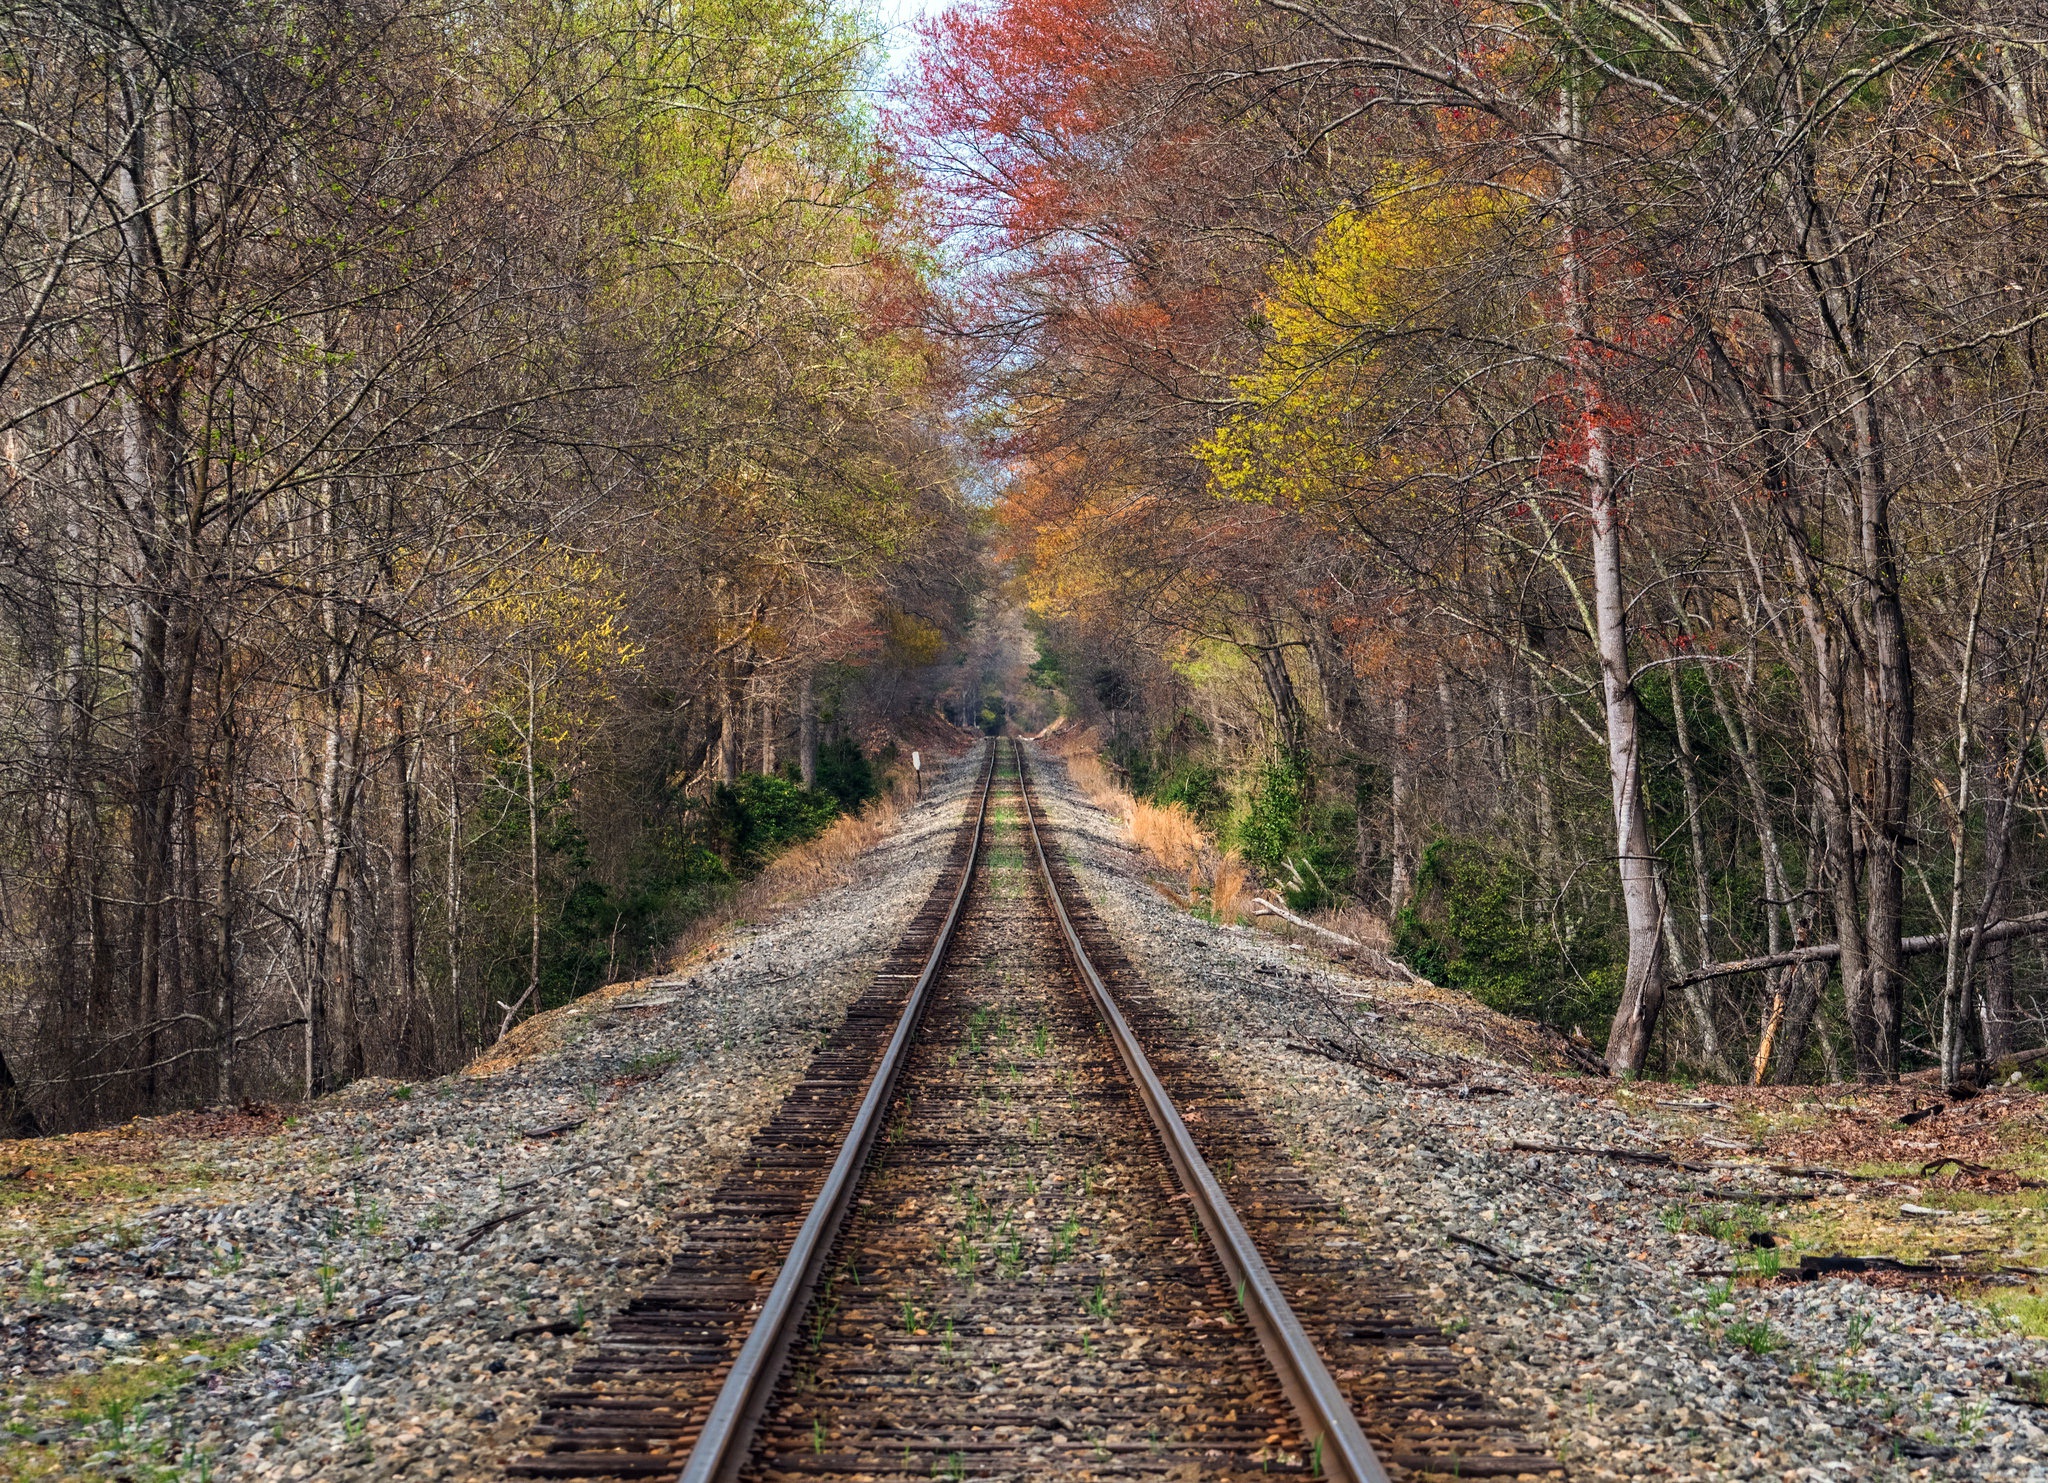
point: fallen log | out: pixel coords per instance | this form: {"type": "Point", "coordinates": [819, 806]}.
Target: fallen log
{"type": "Point", "coordinates": [1828, 952]}
{"type": "Point", "coordinates": [1264, 908]}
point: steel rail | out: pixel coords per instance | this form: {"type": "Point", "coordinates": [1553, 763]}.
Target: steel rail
{"type": "Point", "coordinates": [1337, 1444]}
{"type": "Point", "coordinates": [728, 1430]}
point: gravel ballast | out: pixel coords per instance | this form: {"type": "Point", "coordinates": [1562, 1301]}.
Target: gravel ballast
{"type": "Point", "coordinates": [1620, 1339]}
{"type": "Point", "coordinates": [386, 1286]}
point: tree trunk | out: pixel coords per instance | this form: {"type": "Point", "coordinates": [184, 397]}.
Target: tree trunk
{"type": "Point", "coordinates": [1642, 995]}
{"type": "Point", "coordinates": [1368, 844]}
{"type": "Point", "coordinates": [1801, 986]}
{"type": "Point", "coordinates": [729, 721]}
{"type": "Point", "coordinates": [17, 1118]}
{"type": "Point", "coordinates": [807, 733]}
{"type": "Point", "coordinates": [405, 872]}
{"type": "Point", "coordinates": [226, 1008]}
{"type": "Point", "coordinates": [1448, 717]}
{"type": "Point", "coordinates": [1997, 1009]}
{"type": "Point", "coordinates": [1269, 657]}
{"type": "Point", "coordinates": [1401, 776]}
{"type": "Point", "coordinates": [532, 839]}
{"type": "Point", "coordinates": [453, 907]}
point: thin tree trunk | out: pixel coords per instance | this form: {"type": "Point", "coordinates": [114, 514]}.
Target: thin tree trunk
{"type": "Point", "coordinates": [405, 868]}
{"type": "Point", "coordinates": [532, 836]}
{"type": "Point", "coordinates": [453, 925]}
{"type": "Point", "coordinates": [226, 1009]}
{"type": "Point", "coordinates": [1997, 1008]}
{"type": "Point", "coordinates": [728, 729]}
{"type": "Point", "coordinates": [1702, 1000]}
{"type": "Point", "coordinates": [1269, 657]}
{"type": "Point", "coordinates": [1447, 714]}
{"type": "Point", "coordinates": [1402, 783]}
{"type": "Point", "coordinates": [807, 733]}
{"type": "Point", "coordinates": [1959, 962]}
{"type": "Point", "coordinates": [1642, 995]}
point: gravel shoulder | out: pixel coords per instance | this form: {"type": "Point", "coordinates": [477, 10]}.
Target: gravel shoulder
{"type": "Point", "coordinates": [384, 1283]}
{"type": "Point", "coordinates": [1599, 1297]}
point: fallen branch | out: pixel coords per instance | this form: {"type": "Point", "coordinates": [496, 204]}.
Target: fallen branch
{"type": "Point", "coordinates": [552, 1326]}
{"type": "Point", "coordinates": [1963, 1166]}
{"type": "Point", "coordinates": [512, 1009]}
{"type": "Point", "coordinates": [1264, 908]}
{"type": "Point", "coordinates": [1624, 1155]}
{"type": "Point", "coordinates": [1496, 1261]}
{"type": "Point", "coordinates": [1816, 1171]}
{"type": "Point", "coordinates": [1828, 952]}
{"type": "Point", "coordinates": [477, 1232]}
{"type": "Point", "coordinates": [1811, 1267]}
{"type": "Point", "coordinates": [542, 1178]}
{"type": "Point", "coordinates": [371, 1311]}
{"type": "Point", "coordinates": [1344, 1056]}
{"type": "Point", "coordinates": [554, 1130]}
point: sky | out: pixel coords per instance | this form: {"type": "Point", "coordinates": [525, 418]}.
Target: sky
{"type": "Point", "coordinates": [900, 16]}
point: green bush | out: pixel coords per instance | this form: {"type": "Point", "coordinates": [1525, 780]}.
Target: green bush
{"type": "Point", "coordinates": [1300, 844]}
{"type": "Point", "coordinates": [761, 815]}
{"type": "Point", "coordinates": [1196, 787]}
{"type": "Point", "coordinates": [592, 932]}
{"type": "Point", "coordinates": [1479, 921]}
{"type": "Point", "coordinates": [845, 772]}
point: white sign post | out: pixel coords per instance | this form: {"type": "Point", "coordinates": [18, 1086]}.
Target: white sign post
{"type": "Point", "coordinates": [917, 768]}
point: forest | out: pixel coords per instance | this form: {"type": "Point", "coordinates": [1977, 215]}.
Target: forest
{"type": "Point", "coordinates": [1557, 482]}
{"type": "Point", "coordinates": [471, 472]}
{"type": "Point", "coordinates": [1564, 476]}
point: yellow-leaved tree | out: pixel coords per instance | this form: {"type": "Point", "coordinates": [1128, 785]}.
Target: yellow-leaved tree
{"type": "Point", "coordinates": [1362, 399]}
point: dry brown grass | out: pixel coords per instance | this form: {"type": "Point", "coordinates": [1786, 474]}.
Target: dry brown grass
{"type": "Point", "coordinates": [1230, 893]}
{"type": "Point", "coordinates": [1361, 924]}
{"type": "Point", "coordinates": [1092, 776]}
{"type": "Point", "coordinates": [1168, 833]}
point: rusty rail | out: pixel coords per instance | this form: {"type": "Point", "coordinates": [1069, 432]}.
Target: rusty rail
{"type": "Point", "coordinates": [728, 1431]}
{"type": "Point", "coordinates": [1339, 1447]}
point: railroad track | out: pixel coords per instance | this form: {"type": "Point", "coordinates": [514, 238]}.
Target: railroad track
{"type": "Point", "coordinates": [1013, 1224]}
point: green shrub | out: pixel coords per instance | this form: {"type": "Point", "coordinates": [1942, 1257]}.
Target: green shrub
{"type": "Point", "coordinates": [1196, 787]}
{"type": "Point", "coordinates": [1300, 844]}
{"type": "Point", "coordinates": [845, 772]}
{"type": "Point", "coordinates": [763, 815]}
{"type": "Point", "coordinates": [1479, 921]}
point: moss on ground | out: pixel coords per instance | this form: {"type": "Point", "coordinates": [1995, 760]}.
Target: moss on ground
{"type": "Point", "coordinates": [71, 1188]}
{"type": "Point", "coordinates": [84, 1425]}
